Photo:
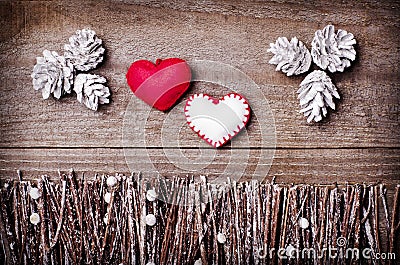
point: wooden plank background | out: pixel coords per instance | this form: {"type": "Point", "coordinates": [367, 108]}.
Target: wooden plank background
{"type": "Point", "coordinates": [358, 143]}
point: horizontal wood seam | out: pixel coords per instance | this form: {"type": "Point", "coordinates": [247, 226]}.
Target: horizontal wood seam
{"type": "Point", "coordinates": [190, 148]}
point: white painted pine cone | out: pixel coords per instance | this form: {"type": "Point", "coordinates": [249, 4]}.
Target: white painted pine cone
{"type": "Point", "coordinates": [52, 74]}
{"type": "Point", "coordinates": [91, 91]}
{"type": "Point", "coordinates": [333, 51]}
{"type": "Point", "coordinates": [316, 93]}
{"type": "Point", "coordinates": [85, 50]}
{"type": "Point", "coordinates": [292, 58]}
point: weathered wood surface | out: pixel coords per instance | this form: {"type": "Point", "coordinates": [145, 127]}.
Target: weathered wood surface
{"type": "Point", "coordinates": [358, 142]}
{"type": "Point", "coordinates": [295, 165]}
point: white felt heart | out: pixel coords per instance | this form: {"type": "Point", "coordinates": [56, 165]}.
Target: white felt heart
{"type": "Point", "coordinates": [217, 120]}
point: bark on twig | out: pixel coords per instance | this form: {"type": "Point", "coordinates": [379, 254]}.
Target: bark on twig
{"type": "Point", "coordinates": [251, 220]}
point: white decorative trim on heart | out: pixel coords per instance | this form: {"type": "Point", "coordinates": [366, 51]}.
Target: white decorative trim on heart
{"type": "Point", "coordinates": [217, 120]}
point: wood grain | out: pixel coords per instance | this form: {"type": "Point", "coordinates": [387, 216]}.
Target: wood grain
{"type": "Point", "coordinates": [366, 116]}
{"type": "Point", "coordinates": [359, 141]}
{"type": "Point", "coordinates": [297, 166]}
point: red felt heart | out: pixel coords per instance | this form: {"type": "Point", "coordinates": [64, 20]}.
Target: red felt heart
{"type": "Point", "coordinates": [161, 84]}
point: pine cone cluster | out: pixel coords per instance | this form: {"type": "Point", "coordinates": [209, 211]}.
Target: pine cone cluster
{"type": "Point", "coordinates": [332, 51]}
{"type": "Point", "coordinates": [56, 74]}
{"type": "Point", "coordinates": [53, 74]}
{"type": "Point", "coordinates": [292, 58]}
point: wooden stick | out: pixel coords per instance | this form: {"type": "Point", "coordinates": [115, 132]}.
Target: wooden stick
{"type": "Point", "coordinates": [16, 210]}
{"type": "Point", "coordinates": [367, 224]}
{"type": "Point", "coordinates": [375, 218]}
{"type": "Point", "coordinates": [256, 222]}
{"type": "Point", "coordinates": [231, 248]}
{"type": "Point", "coordinates": [43, 220]}
{"type": "Point", "coordinates": [106, 234]}
{"type": "Point", "coordinates": [382, 195]}
{"type": "Point", "coordinates": [267, 223]}
{"type": "Point", "coordinates": [199, 227]}
{"type": "Point", "coordinates": [24, 221]}
{"type": "Point", "coordinates": [248, 239]}
{"type": "Point", "coordinates": [131, 226]}
{"type": "Point", "coordinates": [60, 220]}
{"type": "Point", "coordinates": [276, 201]}
{"type": "Point", "coordinates": [395, 223]}
{"type": "Point", "coordinates": [190, 225]}
{"type": "Point", "coordinates": [252, 216]}
{"type": "Point", "coordinates": [9, 255]}
{"type": "Point", "coordinates": [51, 212]}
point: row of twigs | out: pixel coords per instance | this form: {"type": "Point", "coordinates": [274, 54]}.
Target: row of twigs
{"type": "Point", "coordinates": [231, 223]}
